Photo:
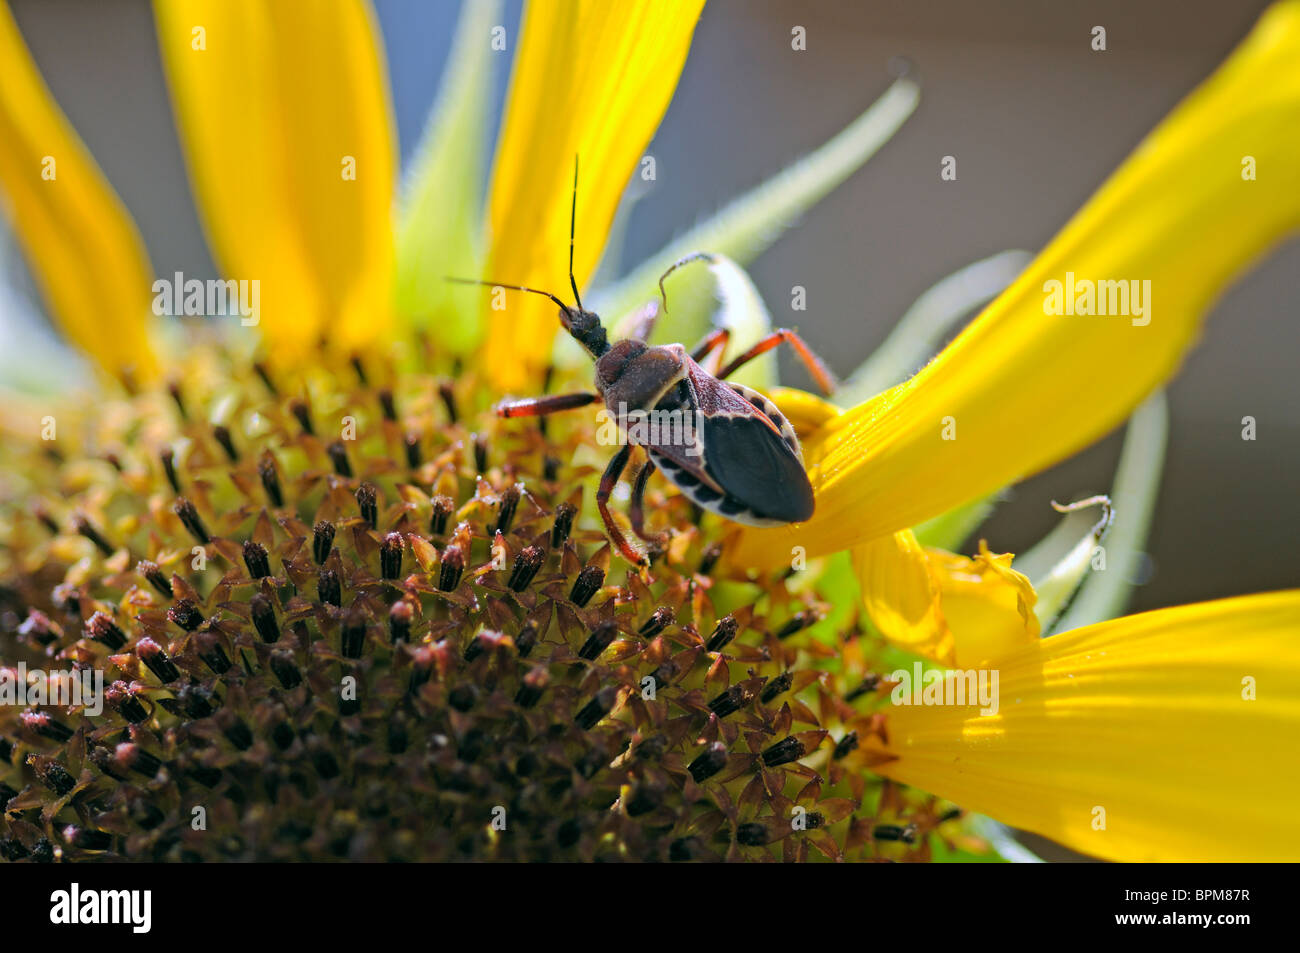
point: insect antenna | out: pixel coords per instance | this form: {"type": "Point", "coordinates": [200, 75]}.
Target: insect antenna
{"type": "Point", "coordinates": [502, 284]}
{"type": "Point", "coordinates": [573, 217]}
{"type": "Point", "coordinates": [584, 326]}
{"type": "Point", "coordinates": [693, 256]}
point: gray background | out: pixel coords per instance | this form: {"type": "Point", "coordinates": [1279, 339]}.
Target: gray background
{"type": "Point", "coordinates": [1012, 89]}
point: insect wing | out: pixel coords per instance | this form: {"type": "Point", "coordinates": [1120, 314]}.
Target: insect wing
{"type": "Point", "coordinates": [747, 455]}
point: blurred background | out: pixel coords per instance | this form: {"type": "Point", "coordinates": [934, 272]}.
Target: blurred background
{"type": "Point", "coordinates": [1035, 118]}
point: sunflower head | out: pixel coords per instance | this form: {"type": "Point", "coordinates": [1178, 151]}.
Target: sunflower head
{"type": "Point", "coordinates": [396, 641]}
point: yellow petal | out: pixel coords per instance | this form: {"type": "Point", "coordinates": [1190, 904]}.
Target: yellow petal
{"type": "Point", "coordinates": [950, 609]}
{"type": "Point", "coordinates": [806, 412]}
{"type": "Point", "coordinates": [1172, 728]}
{"type": "Point", "coordinates": [987, 604]}
{"type": "Point", "coordinates": [284, 115]}
{"type": "Point", "coordinates": [591, 78]}
{"type": "Point", "coordinates": [1020, 389]}
{"type": "Point", "coordinates": [83, 249]}
{"type": "Point", "coordinates": [900, 593]}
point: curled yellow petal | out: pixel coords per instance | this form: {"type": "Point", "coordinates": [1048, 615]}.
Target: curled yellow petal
{"type": "Point", "coordinates": [951, 609]}
{"type": "Point", "coordinates": [591, 78]}
{"type": "Point", "coordinates": [900, 593]}
{"type": "Point", "coordinates": [987, 604]}
{"type": "Point", "coordinates": [83, 249]}
{"type": "Point", "coordinates": [1163, 736]}
{"type": "Point", "coordinates": [1208, 192]}
{"type": "Point", "coordinates": [284, 115]}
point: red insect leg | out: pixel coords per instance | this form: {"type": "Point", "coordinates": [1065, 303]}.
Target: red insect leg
{"type": "Point", "coordinates": [537, 406]}
{"type": "Point", "coordinates": [607, 483]}
{"type": "Point", "coordinates": [820, 372]}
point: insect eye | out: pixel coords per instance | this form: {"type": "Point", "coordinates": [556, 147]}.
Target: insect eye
{"type": "Point", "coordinates": [585, 326]}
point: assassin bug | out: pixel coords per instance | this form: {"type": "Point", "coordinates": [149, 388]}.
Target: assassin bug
{"type": "Point", "coordinates": [746, 465]}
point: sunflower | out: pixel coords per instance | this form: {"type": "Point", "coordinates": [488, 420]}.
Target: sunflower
{"type": "Point", "coordinates": [345, 611]}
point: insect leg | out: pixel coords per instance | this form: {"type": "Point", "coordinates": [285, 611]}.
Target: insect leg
{"type": "Point", "coordinates": [607, 482]}
{"type": "Point", "coordinates": [820, 372]}
{"type": "Point", "coordinates": [537, 406]}
{"type": "Point", "coordinates": [636, 509]}
{"type": "Point", "coordinates": [715, 340]}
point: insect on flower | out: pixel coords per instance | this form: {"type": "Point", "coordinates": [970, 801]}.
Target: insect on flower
{"type": "Point", "coordinates": [745, 462]}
